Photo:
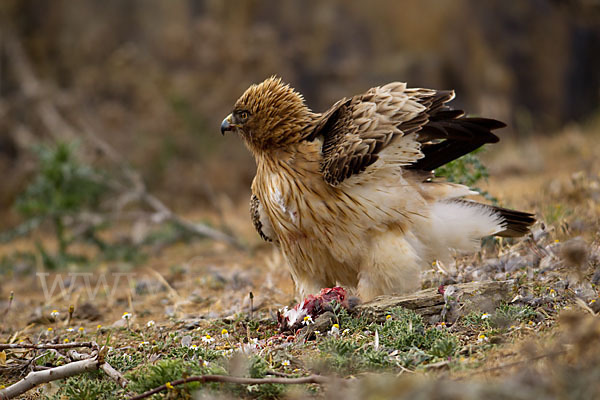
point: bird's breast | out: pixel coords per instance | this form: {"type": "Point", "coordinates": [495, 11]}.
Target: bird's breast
{"type": "Point", "coordinates": [284, 207]}
{"type": "Point", "coordinates": [289, 188]}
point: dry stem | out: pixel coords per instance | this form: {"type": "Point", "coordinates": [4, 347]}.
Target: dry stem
{"type": "Point", "coordinates": [234, 379]}
{"type": "Point", "coordinates": [46, 346]}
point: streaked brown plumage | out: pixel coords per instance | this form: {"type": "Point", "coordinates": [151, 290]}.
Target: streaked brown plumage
{"type": "Point", "coordinates": [349, 195]}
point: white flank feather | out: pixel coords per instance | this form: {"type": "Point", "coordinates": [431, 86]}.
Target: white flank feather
{"type": "Point", "coordinates": [460, 224]}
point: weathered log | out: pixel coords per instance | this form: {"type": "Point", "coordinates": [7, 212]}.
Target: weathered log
{"type": "Point", "coordinates": [460, 299]}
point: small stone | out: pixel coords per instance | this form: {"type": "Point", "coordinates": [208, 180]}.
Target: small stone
{"type": "Point", "coordinates": [323, 324]}
{"type": "Point", "coordinates": [186, 341]}
{"type": "Point", "coordinates": [574, 252]}
{"type": "Point", "coordinates": [87, 311]}
{"type": "Point", "coordinates": [120, 323]}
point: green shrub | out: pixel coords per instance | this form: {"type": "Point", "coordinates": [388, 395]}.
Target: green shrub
{"type": "Point", "coordinates": [467, 170]}
{"type": "Point", "coordinates": [150, 376]}
{"type": "Point", "coordinates": [63, 193]}
{"type": "Point", "coordinates": [404, 340]}
{"type": "Point", "coordinates": [518, 313]}
{"type": "Point", "coordinates": [61, 189]}
{"type": "Point", "coordinates": [89, 386]}
{"type": "Point", "coordinates": [62, 186]}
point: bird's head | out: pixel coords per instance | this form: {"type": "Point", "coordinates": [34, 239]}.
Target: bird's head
{"type": "Point", "coordinates": [269, 115]}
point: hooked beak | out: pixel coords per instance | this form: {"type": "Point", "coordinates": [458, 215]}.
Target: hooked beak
{"type": "Point", "coordinates": [226, 125]}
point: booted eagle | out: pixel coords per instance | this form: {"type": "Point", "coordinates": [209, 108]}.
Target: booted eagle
{"type": "Point", "coordinates": [349, 195]}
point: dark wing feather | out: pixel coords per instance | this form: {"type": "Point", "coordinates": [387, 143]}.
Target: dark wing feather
{"type": "Point", "coordinates": [354, 131]}
{"type": "Point", "coordinates": [448, 134]}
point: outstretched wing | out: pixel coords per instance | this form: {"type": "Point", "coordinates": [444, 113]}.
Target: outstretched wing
{"type": "Point", "coordinates": [355, 131]}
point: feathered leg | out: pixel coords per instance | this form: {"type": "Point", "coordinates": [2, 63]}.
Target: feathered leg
{"type": "Point", "coordinates": [392, 266]}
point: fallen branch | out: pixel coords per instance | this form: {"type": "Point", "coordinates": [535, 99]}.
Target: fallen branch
{"type": "Point", "coordinates": [46, 346]}
{"type": "Point", "coordinates": [472, 296]}
{"type": "Point", "coordinates": [234, 379]}
{"type": "Point", "coordinates": [137, 183]}
{"type": "Point", "coordinates": [103, 365]}
{"type": "Point", "coordinates": [37, 378]}
{"type": "Point", "coordinates": [83, 363]}
{"type": "Point", "coordinates": [114, 374]}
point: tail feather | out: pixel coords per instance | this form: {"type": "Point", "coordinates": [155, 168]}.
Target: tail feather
{"type": "Point", "coordinates": [459, 224]}
{"type": "Point", "coordinates": [514, 223]}
{"type": "Point", "coordinates": [517, 222]}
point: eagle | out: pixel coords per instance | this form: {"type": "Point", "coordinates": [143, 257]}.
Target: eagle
{"type": "Point", "coordinates": [350, 195]}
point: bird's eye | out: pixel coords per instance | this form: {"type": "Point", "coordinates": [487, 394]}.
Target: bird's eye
{"type": "Point", "coordinates": [243, 116]}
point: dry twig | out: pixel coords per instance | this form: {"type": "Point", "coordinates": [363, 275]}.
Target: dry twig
{"type": "Point", "coordinates": [46, 346]}
{"type": "Point", "coordinates": [137, 183]}
{"type": "Point", "coordinates": [282, 374]}
{"type": "Point", "coordinates": [234, 379]}
{"type": "Point", "coordinates": [103, 365]}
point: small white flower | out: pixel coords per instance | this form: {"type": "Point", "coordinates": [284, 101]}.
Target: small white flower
{"type": "Point", "coordinates": [143, 344]}
{"type": "Point", "coordinates": [254, 341]}
{"type": "Point", "coordinates": [485, 316]}
{"type": "Point", "coordinates": [307, 320]}
{"type": "Point", "coordinates": [70, 330]}
{"type": "Point", "coordinates": [126, 315]}
{"type": "Point", "coordinates": [205, 363]}
{"type": "Point", "coordinates": [285, 363]}
{"type": "Point", "coordinates": [345, 332]}
{"type": "Point", "coordinates": [150, 324]}
{"type": "Point", "coordinates": [335, 330]}
{"type": "Point", "coordinates": [194, 347]}
{"type": "Point", "coordinates": [54, 313]}
{"type": "Point", "coordinates": [224, 333]}
{"type": "Point", "coordinates": [208, 339]}
{"type": "Point", "coordinates": [482, 338]}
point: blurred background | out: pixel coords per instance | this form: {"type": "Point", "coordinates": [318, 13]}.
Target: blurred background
{"type": "Point", "coordinates": [112, 161]}
{"type": "Point", "coordinates": [153, 79]}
